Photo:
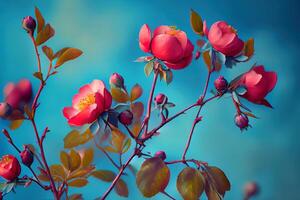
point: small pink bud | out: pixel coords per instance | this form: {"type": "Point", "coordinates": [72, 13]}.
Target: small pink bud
{"type": "Point", "coordinates": [25, 88]}
{"type": "Point", "coordinates": [221, 84]}
{"type": "Point", "coordinates": [161, 99]}
{"type": "Point", "coordinates": [197, 55]}
{"type": "Point", "coordinates": [251, 189]}
{"type": "Point", "coordinates": [160, 154]}
{"type": "Point", "coordinates": [26, 156]}
{"type": "Point", "coordinates": [5, 109]}
{"type": "Point", "coordinates": [241, 121]}
{"type": "Point", "coordinates": [126, 117]}
{"type": "Point", "coordinates": [116, 80]}
{"type": "Point", "coordinates": [29, 24]}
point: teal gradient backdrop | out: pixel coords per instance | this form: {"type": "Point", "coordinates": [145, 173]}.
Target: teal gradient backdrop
{"type": "Point", "coordinates": [107, 32]}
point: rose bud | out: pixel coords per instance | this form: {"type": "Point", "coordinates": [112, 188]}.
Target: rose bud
{"type": "Point", "coordinates": [116, 80]}
{"type": "Point", "coordinates": [224, 38]}
{"type": "Point", "coordinates": [241, 121]}
{"type": "Point", "coordinates": [126, 117]}
{"type": "Point", "coordinates": [12, 95]}
{"type": "Point", "coordinates": [221, 84]}
{"type": "Point", "coordinates": [251, 189]}
{"type": "Point", "coordinates": [29, 24]}
{"type": "Point", "coordinates": [161, 99]}
{"type": "Point", "coordinates": [197, 55]}
{"type": "Point", "coordinates": [168, 44]}
{"type": "Point", "coordinates": [27, 156]}
{"type": "Point", "coordinates": [10, 167]}
{"type": "Point", "coordinates": [5, 109]}
{"type": "Point", "coordinates": [25, 89]}
{"type": "Point", "coordinates": [160, 154]}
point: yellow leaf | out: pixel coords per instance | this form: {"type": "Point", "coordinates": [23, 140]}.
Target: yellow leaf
{"type": "Point", "coordinates": [88, 156]}
{"type": "Point", "coordinates": [196, 22]}
{"type": "Point", "coordinates": [15, 124]}
{"type": "Point", "coordinates": [118, 139]}
{"type": "Point", "coordinates": [45, 34]}
{"type": "Point", "coordinates": [67, 55]}
{"type": "Point", "coordinates": [126, 145]}
{"type": "Point", "coordinates": [104, 175]}
{"type": "Point", "coordinates": [48, 52]}
{"type": "Point", "coordinates": [65, 160]}
{"type": "Point", "coordinates": [119, 95]}
{"type": "Point", "coordinates": [40, 19]}
{"type": "Point", "coordinates": [82, 172]}
{"type": "Point", "coordinates": [121, 188]}
{"type": "Point", "coordinates": [75, 160]}
{"type": "Point", "coordinates": [78, 183]}
{"type": "Point", "coordinates": [249, 48]}
{"type": "Point", "coordinates": [207, 60]}
{"type": "Point", "coordinates": [136, 92]}
{"type": "Point", "coordinates": [74, 138]}
{"type": "Point", "coordinates": [58, 172]}
{"type": "Point", "coordinates": [136, 127]}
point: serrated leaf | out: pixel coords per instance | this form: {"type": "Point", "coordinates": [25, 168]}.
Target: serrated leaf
{"type": "Point", "coordinates": [48, 52]}
{"type": "Point", "coordinates": [15, 124]}
{"type": "Point", "coordinates": [65, 160]}
{"type": "Point", "coordinates": [136, 92]}
{"type": "Point", "coordinates": [119, 95]}
{"type": "Point", "coordinates": [74, 138]}
{"type": "Point", "coordinates": [40, 19]}
{"type": "Point", "coordinates": [38, 75]}
{"type": "Point", "coordinates": [45, 34]}
{"type": "Point", "coordinates": [196, 22]}
{"type": "Point", "coordinates": [190, 183]}
{"type": "Point", "coordinates": [249, 48]}
{"type": "Point", "coordinates": [148, 68]}
{"type": "Point", "coordinates": [104, 175]}
{"type": "Point", "coordinates": [222, 183]}
{"type": "Point", "coordinates": [88, 156]}
{"type": "Point", "coordinates": [153, 177]}
{"type": "Point", "coordinates": [67, 55]}
{"type": "Point", "coordinates": [78, 183]}
{"type": "Point", "coordinates": [75, 160]}
{"type": "Point", "coordinates": [57, 172]}
{"type": "Point", "coordinates": [121, 188]}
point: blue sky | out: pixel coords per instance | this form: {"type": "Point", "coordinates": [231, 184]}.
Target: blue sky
{"type": "Point", "coordinates": [107, 32]}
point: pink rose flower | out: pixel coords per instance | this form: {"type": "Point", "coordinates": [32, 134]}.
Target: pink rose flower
{"type": "Point", "coordinates": [167, 44]}
{"type": "Point", "coordinates": [258, 84]}
{"type": "Point", "coordinates": [224, 38]}
{"type": "Point", "coordinates": [10, 167]}
{"type": "Point", "coordinates": [91, 101]}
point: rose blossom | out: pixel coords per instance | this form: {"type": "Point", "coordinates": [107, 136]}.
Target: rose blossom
{"type": "Point", "coordinates": [91, 101]}
{"type": "Point", "coordinates": [224, 38]}
{"type": "Point", "coordinates": [167, 44]}
{"type": "Point", "coordinates": [10, 167]}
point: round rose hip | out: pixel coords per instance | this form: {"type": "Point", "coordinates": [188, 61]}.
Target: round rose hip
{"type": "Point", "coordinates": [29, 24]}
{"type": "Point", "coordinates": [126, 117]}
{"type": "Point", "coordinates": [167, 44]}
{"type": "Point", "coordinates": [241, 121]}
{"type": "Point", "coordinates": [5, 109]}
{"type": "Point", "coordinates": [251, 189]}
{"type": "Point", "coordinates": [160, 154]}
{"type": "Point", "coordinates": [116, 80]}
{"type": "Point", "coordinates": [161, 99]}
{"type": "Point", "coordinates": [221, 84]}
{"type": "Point", "coordinates": [10, 167]}
{"type": "Point", "coordinates": [27, 156]}
{"type": "Point", "coordinates": [224, 38]}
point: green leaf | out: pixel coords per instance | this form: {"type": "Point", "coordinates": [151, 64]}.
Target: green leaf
{"type": "Point", "coordinates": [121, 188]}
{"type": "Point", "coordinates": [221, 182]}
{"type": "Point", "coordinates": [48, 52]}
{"type": "Point", "coordinates": [40, 20]}
{"type": "Point", "coordinates": [74, 138]}
{"type": "Point", "coordinates": [153, 177]}
{"type": "Point", "coordinates": [104, 175]}
{"type": "Point", "coordinates": [136, 92]}
{"type": "Point", "coordinates": [15, 124]}
{"type": "Point", "coordinates": [126, 145]}
{"type": "Point", "coordinates": [78, 183]}
{"type": "Point", "coordinates": [196, 22]}
{"type": "Point", "coordinates": [67, 55]}
{"type": "Point", "coordinates": [45, 34]}
{"type": "Point", "coordinates": [148, 68]}
{"type": "Point", "coordinates": [190, 183]}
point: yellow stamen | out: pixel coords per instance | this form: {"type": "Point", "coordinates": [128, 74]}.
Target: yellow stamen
{"type": "Point", "coordinates": [87, 101]}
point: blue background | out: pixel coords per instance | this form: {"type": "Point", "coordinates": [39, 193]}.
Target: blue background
{"type": "Point", "coordinates": [107, 32]}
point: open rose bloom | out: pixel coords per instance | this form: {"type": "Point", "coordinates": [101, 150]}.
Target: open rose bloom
{"type": "Point", "coordinates": [224, 38]}
{"type": "Point", "coordinates": [10, 167]}
{"type": "Point", "coordinates": [167, 44]}
{"type": "Point", "coordinates": [258, 83]}
{"type": "Point", "coordinates": [91, 101]}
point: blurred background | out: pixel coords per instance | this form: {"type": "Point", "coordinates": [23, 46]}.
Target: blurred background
{"type": "Point", "coordinates": [107, 32]}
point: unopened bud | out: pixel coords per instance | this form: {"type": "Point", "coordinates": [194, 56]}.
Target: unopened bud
{"type": "Point", "coordinates": [241, 121]}
{"type": "Point", "coordinates": [25, 88]}
{"type": "Point", "coordinates": [126, 117]}
{"type": "Point", "coordinates": [160, 154]}
{"type": "Point", "coordinates": [161, 99]}
{"type": "Point", "coordinates": [5, 109]}
{"type": "Point", "coordinates": [251, 189]}
{"type": "Point", "coordinates": [221, 84]}
{"type": "Point", "coordinates": [29, 24]}
{"type": "Point", "coordinates": [26, 156]}
{"type": "Point", "coordinates": [116, 80]}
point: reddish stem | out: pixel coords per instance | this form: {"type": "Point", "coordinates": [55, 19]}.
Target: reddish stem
{"type": "Point", "coordinates": [36, 52]}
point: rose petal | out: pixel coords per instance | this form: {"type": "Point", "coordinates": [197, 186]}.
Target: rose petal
{"type": "Point", "coordinates": [86, 116]}
{"type": "Point", "coordinates": [145, 38]}
{"type": "Point", "coordinates": [180, 64]}
{"type": "Point", "coordinates": [161, 30]}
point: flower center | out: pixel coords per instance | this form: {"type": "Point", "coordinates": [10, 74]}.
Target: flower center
{"type": "Point", "coordinates": [173, 32]}
{"type": "Point", "coordinates": [86, 101]}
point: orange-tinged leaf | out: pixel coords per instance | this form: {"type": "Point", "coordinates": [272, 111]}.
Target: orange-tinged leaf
{"type": "Point", "coordinates": [75, 197]}
{"type": "Point", "coordinates": [126, 145]}
{"type": "Point", "coordinates": [250, 114]}
{"type": "Point", "coordinates": [136, 92]}
{"type": "Point", "coordinates": [88, 156]}
{"type": "Point", "coordinates": [121, 188]}
{"type": "Point", "coordinates": [118, 139]}
{"type": "Point", "coordinates": [75, 160]}
{"type": "Point", "coordinates": [40, 19]}
{"type": "Point", "coordinates": [43, 177]}
{"type": "Point", "coordinates": [196, 22]}
{"type": "Point", "coordinates": [15, 124]}
{"type": "Point", "coordinates": [137, 109]}
{"type": "Point", "coordinates": [48, 52]}
{"type": "Point", "coordinates": [67, 55]}
{"type": "Point", "coordinates": [136, 127]}
{"type": "Point", "coordinates": [81, 173]}
{"type": "Point", "coordinates": [190, 183]}
{"type": "Point", "coordinates": [221, 182]}
{"type": "Point", "coordinates": [119, 95]}
{"type": "Point", "coordinates": [65, 160]}
{"type": "Point", "coordinates": [58, 172]}
{"type": "Point", "coordinates": [74, 138]}
{"type": "Point", "coordinates": [211, 193]}
{"type": "Point", "coordinates": [153, 177]}
{"type": "Point", "coordinates": [207, 60]}
{"type": "Point", "coordinates": [78, 183]}
{"type": "Point", "coordinates": [249, 48]}
{"type": "Point", "coordinates": [45, 34]}
{"type": "Point", "coordinates": [104, 175]}
{"type": "Point", "coordinates": [58, 53]}
{"type": "Point", "coordinates": [38, 75]}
